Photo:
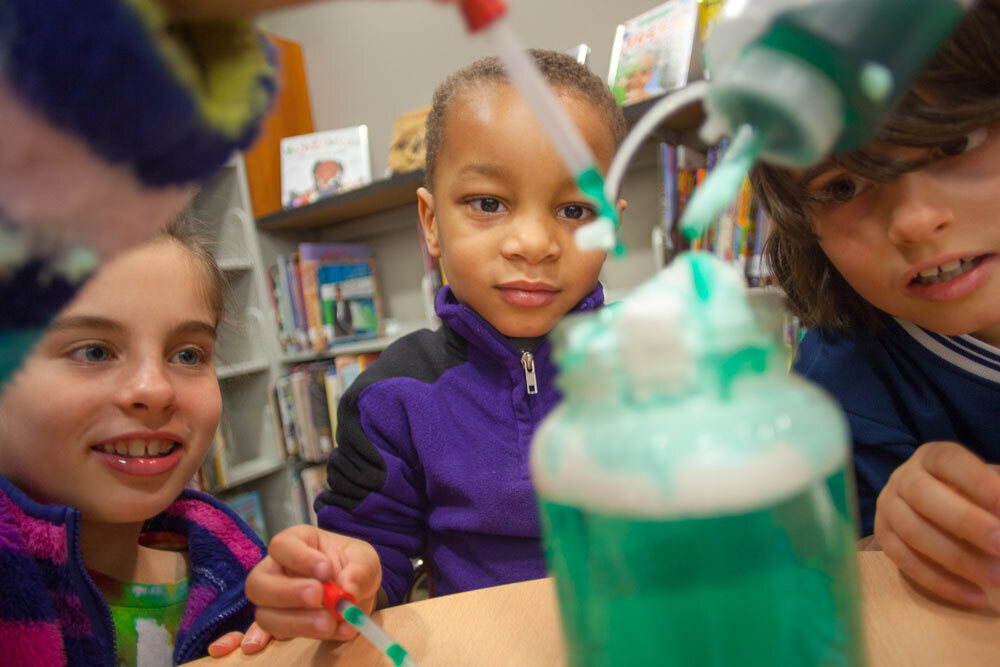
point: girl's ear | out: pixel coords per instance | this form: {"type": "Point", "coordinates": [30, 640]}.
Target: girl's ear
{"type": "Point", "coordinates": [622, 205]}
{"type": "Point", "coordinates": [428, 222]}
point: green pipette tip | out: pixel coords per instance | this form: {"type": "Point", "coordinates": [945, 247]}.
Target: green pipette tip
{"type": "Point", "coordinates": [591, 183]}
{"type": "Point", "coordinates": [722, 184]}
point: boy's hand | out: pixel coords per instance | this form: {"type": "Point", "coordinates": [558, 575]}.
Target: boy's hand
{"type": "Point", "coordinates": [287, 585]}
{"type": "Point", "coordinates": [938, 519]}
{"type": "Point", "coordinates": [254, 640]}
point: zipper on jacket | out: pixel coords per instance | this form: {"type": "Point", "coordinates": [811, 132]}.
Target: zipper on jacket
{"type": "Point", "coordinates": [528, 363]}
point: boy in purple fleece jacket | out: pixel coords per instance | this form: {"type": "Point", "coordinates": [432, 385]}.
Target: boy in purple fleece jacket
{"type": "Point", "coordinates": [433, 439]}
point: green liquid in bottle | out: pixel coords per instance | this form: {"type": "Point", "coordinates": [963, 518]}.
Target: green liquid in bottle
{"type": "Point", "coordinates": [770, 586]}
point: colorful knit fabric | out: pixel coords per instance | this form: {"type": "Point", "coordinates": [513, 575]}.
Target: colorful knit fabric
{"type": "Point", "coordinates": [51, 611]}
{"type": "Point", "coordinates": [110, 110]}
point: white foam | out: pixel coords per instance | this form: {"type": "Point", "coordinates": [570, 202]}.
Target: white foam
{"type": "Point", "coordinates": [701, 483]}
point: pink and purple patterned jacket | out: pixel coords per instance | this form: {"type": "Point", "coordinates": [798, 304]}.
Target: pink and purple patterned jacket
{"type": "Point", "coordinates": [51, 613]}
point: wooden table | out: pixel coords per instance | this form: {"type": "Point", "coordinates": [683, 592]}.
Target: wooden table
{"type": "Point", "coordinates": [518, 624]}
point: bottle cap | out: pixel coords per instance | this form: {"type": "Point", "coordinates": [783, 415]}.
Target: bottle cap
{"type": "Point", "coordinates": [480, 13]}
{"type": "Point", "coordinates": [795, 106]}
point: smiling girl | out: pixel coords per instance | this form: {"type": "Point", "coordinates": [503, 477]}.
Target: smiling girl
{"type": "Point", "coordinates": [105, 557]}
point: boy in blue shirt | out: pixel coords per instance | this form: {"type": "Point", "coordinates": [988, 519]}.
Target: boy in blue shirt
{"type": "Point", "coordinates": [433, 439]}
{"type": "Point", "coordinates": [891, 254]}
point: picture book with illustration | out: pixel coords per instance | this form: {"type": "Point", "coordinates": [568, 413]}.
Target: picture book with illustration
{"type": "Point", "coordinates": [653, 52]}
{"type": "Point", "coordinates": [321, 164]}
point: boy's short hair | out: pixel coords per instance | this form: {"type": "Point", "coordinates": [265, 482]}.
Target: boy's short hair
{"type": "Point", "coordinates": [560, 70]}
{"type": "Point", "coordinates": [957, 93]}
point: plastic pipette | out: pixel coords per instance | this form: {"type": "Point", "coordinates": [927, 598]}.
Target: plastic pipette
{"type": "Point", "coordinates": [341, 605]}
{"type": "Point", "coordinates": [487, 17]}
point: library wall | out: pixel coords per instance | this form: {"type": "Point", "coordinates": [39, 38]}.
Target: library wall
{"type": "Point", "coordinates": [368, 62]}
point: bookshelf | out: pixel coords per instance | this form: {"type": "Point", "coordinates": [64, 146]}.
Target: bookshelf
{"type": "Point", "coordinates": [378, 196]}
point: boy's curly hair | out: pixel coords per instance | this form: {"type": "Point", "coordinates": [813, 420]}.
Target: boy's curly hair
{"type": "Point", "coordinates": [560, 70]}
{"type": "Point", "coordinates": [957, 93]}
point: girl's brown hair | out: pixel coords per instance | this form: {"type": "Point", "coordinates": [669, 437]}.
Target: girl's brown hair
{"type": "Point", "coordinates": [215, 284]}
{"type": "Point", "coordinates": [957, 93]}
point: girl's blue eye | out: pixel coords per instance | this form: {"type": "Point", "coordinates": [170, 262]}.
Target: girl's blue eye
{"type": "Point", "coordinates": [189, 357]}
{"type": "Point", "coordinates": [486, 204]}
{"type": "Point", "coordinates": [576, 212]}
{"type": "Point", "coordinates": [91, 354]}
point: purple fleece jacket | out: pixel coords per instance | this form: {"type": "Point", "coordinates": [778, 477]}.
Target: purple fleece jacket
{"type": "Point", "coordinates": [432, 456]}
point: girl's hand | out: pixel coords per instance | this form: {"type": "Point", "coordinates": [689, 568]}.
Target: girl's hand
{"type": "Point", "coordinates": [938, 519]}
{"type": "Point", "coordinates": [254, 640]}
{"type": "Point", "coordinates": [287, 585]}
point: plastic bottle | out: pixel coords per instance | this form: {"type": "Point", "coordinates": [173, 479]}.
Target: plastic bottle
{"type": "Point", "coordinates": [816, 76]}
{"type": "Point", "coordinates": [696, 500]}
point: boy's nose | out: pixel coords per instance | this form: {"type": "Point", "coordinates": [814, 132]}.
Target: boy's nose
{"type": "Point", "coordinates": [146, 388]}
{"type": "Point", "coordinates": [919, 209]}
{"type": "Point", "coordinates": [531, 238]}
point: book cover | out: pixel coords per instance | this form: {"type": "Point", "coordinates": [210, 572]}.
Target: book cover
{"type": "Point", "coordinates": [653, 52]}
{"type": "Point", "coordinates": [348, 368]}
{"type": "Point", "coordinates": [311, 257]}
{"type": "Point", "coordinates": [286, 410]}
{"type": "Point", "coordinates": [313, 484]}
{"type": "Point", "coordinates": [321, 164]}
{"type": "Point", "coordinates": [247, 506]}
{"type": "Point", "coordinates": [407, 147]}
{"type": "Point", "coordinates": [308, 441]}
{"type": "Point", "coordinates": [276, 426]}
{"type": "Point", "coordinates": [319, 407]}
{"type": "Point", "coordinates": [351, 306]}
{"type": "Point", "coordinates": [333, 391]}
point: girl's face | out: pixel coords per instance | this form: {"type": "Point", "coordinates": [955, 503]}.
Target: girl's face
{"type": "Point", "coordinates": [115, 409]}
{"type": "Point", "coordinates": [925, 246]}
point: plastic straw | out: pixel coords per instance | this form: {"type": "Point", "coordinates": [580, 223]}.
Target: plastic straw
{"type": "Point", "coordinates": [341, 605]}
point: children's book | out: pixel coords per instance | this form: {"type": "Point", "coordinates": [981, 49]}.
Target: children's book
{"type": "Point", "coordinates": [319, 407]}
{"type": "Point", "coordinates": [313, 483]}
{"type": "Point", "coordinates": [286, 410]}
{"type": "Point", "coordinates": [321, 164]}
{"type": "Point", "coordinates": [247, 506]}
{"type": "Point", "coordinates": [351, 305]}
{"type": "Point", "coordinates": [653, 52]}
{"type": "Point", "coordinates": [348, 369]}
{"type": "Point", "coordinates": [311, 257]}
{"type": "Point", "coordinates": [407, 147]}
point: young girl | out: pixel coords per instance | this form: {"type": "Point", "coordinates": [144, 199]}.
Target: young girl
{"type": "Point", "coordinates": [105, 557]}
{"type": "Point", "coordinates": [433, 439]}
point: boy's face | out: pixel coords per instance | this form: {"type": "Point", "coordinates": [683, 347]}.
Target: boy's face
{"type": "Point", "coordinates": [115, 409]}
{"type": "Point", "coordinates": [923, 247]}
{"type": "Point", "coordinates": [504, 210]}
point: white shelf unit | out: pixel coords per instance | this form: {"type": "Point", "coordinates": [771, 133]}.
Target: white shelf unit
{"type": "Point", "coordinates": [247, 355]}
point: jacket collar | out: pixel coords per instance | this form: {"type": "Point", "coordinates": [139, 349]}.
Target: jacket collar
{"type": "Point", "coordinates": [477, 331]}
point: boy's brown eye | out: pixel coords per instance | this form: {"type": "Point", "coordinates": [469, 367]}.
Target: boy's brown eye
{"type": "Point", "coordinates": [841, 190]}
{"type": "Point", "coordinates": [573, 211]}
{"type": "Point", "coordinates": [486, 204]}
{"type": "Point", "coordinates": [969, 142]}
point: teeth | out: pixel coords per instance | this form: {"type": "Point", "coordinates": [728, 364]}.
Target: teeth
{"type": "Point", "coordinates": [945, 272]}
{"type": "Point", "coordinates": [138, 448]}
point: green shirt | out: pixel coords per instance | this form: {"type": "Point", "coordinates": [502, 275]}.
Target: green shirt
{"type": "Point", "coordinates": [146, 618]}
